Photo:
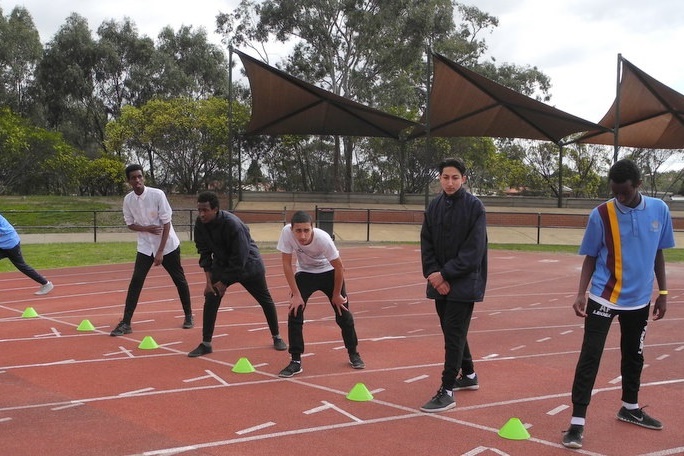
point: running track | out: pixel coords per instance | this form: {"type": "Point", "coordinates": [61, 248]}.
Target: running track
{"type": "Point", "coordinates": [69, 392]}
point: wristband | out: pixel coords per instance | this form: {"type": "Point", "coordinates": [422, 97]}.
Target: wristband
{"type": "Point", "coordinates": [662, 292]}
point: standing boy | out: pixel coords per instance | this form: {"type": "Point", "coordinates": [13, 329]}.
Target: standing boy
{"type": "Point", "coordinates": [147, 211]}
{"type": "Point", "coordinates": [319, 268]}
{"type": "Point", "coordinates": [622, 245]}
{"type": "Point", "coordinates": [228, 255]}
{"type": "Point", "coordinates": [453, 245]}
{"type": "Point", "coordinates": [10, 247]}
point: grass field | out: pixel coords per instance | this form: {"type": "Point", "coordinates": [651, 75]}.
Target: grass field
{"type": "Point", "coordinates": [48, 211]}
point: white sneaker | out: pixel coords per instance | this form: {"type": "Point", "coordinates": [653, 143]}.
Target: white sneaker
{"type": "Point", "coordinates": [45, 289]}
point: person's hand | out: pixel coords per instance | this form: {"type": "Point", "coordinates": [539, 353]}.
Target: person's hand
{"type": "Point", "coordinates": [340, 304]}
{"type": "Point", "coordinates": [438, 283]}
{"type": "Point", "coordinates": [219, 288]}
{"type": "Point", "coordinates": [579, 306]}
{"type": "Point", "coordinates": [158, 258]}
{"type": "Point", "coordinates": [296, 302]}
{"type": "Point", "coordinates": [154, 229]}
{"type": "Point", "coordinates": [660, 307]}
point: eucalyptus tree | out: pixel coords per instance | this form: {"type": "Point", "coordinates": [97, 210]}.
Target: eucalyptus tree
{"type": "Point", "coordinates": [20, 52]}
{"type": "Point", "coordinates": [192, 66]}
{"type": "Point", "coordinates": [66, 77]}
{"type": "Point", "coordinates": [127, 67]}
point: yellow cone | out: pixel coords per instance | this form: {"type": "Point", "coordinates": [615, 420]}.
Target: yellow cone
{"type": "Point", "coordinates": [148, 343]}
{"type": "Point", "coordinates": [243, 366]}
{"type": "Point", "coordinates": [514, 430]}
{"type": "Point", "coordinates": [30, 312]}
{"type": "Point", "coordinates": [359, 393]}
{"type": "Point", "coordinates": [86, 325]}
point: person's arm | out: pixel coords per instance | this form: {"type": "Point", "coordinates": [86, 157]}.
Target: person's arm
{"type": "Point", "coordinates": [580, 304]}
{"type": "Point", "coordinates": [431, 268]}
{"type": "Point", "coordinates": [660, 306]}
{"type": "Point", "coordinates": [338, 300]}
{"type": "Point", "coordinates": [296, 301]}
{"type": "Point", "coordinates": [159, 256]}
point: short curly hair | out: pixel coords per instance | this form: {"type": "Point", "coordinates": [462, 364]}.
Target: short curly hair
{"type": "Point", "coordinates": [624, 170]}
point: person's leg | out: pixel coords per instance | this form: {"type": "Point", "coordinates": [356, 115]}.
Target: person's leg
{"type": "Point", "coordinates": [306, 283]}
{"type": "Point", "coordinates": [596, 327]}
{"type": "Point", "coordinates": [15, 256]}
{"type": "Point", "coordinates": [172, 264]}
{"type": "Point", "coordinates": [257, 287]}
{"type": "Point", "coordinates": [345, 320]}
{"type": "Point", "coordinates": [632, 335]}
{"type": "Point", "coordinates": [455, 321]}
{"type": "Point", "coordinates": [212, 302]}
{"type": "Point", "coordinates": [467, 365]}
{"type": "Point", "coordinates": [143, 263]}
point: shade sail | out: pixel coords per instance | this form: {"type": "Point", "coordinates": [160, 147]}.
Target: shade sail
{"type": "Point", "coordinates": [651, 114]}
{"type": "Point", "coordinates": [464, 103]}
{"type": "Point", "coordinates": [283, 104]}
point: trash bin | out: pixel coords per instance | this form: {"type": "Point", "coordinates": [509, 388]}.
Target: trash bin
{"type": "Point", "coordinates": [325, 217]}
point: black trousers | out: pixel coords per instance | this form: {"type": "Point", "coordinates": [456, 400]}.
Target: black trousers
{"type": "Point", "coordinates": [308, 283]}
{"type": "Point", "coordinates": [257, 288]}
{"type": "Point", "coordinates": [632, 334]}
{"type": "Point", "coordinates": [454, 319]}
{"type": "Point", "coordinates": [17, 259]}
{"type": "Point", "coordinates": [172, 263]}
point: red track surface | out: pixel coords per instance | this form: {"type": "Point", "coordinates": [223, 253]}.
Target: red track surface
{"type": "Point", "coordinates": [68, 392]}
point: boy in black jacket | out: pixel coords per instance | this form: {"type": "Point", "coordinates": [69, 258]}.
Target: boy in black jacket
{"type": "Point", "coordinates": [228, 255]}
{"type": "Point", "coordinates": [453, 245]}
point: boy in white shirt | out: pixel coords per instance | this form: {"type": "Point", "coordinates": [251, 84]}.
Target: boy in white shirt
{"type": "Point", "coordinates": [319, 268]}
{"type": "Point", "coordinates": [147, 211]}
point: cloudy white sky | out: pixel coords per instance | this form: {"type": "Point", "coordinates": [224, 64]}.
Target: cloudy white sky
{"type": "Point", "coordinates": [575, 42]}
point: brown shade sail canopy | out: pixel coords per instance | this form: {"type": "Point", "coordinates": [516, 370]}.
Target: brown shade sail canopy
{"type": "Point", "coordinates": [650, 114]}
{"type": "Point", "coordinates": [464, 103]}
{"type": "Point", "coordinates": [283, 104]}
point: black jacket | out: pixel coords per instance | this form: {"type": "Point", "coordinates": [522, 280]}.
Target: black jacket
{"type": "Point", "coordinates": [453, 241]}
{"type": "Point", "coordinates": [227, 249]}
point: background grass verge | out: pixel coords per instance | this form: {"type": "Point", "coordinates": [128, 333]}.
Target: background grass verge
{"type": "Point", "coordinates": [49, 256]}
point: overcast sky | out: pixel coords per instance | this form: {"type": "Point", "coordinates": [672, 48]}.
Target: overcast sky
{"type": "Point", "coordinates": [575, 42]}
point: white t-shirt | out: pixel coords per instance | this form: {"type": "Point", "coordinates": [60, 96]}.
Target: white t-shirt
{"type": "Point", "coordinates": [314, 257]}
{"type": "Point", "coordinates": [150, 208]}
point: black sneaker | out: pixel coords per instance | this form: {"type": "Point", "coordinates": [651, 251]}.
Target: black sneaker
{"type": "Point", "coordinates": [465, 383]}
{"type": "Point", "coordinates": [638, 417]}
{"type": "Point", "coordinates": [279, 344]}
{"type": "Point", "coordinates": [121, 329]}
{"type": "Point", "coordinates": [572, 438]}
{"type": "Point", "coordinates": [440, 402]}
{"type": "Point", "coordinates": [200, 351]}
{"type": "Point", "coordinates": [291, 370]}
{"type": "Point", "coordinates": [356, 361]}
{"type": "Point", "coordinates": [189, 322]}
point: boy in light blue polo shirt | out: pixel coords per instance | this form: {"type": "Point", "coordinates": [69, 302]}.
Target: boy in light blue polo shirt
{"type": "Point", "coordinates": [623, 247]}
{"type": "Point", "coordinates": [10, 247]}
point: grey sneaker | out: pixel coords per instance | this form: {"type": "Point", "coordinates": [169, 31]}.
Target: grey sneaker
{"type": "Point", "coordinates": [121, 329]}
{"type": "Point", "coordinates": [440, 402]}
{"type": "Point", "coordinates": [201, 350]}
{"type": "Point", "coordinates": [45, 289]}
{"type": "Point", "coordinates": [356, 361]}
{"type": "Point", "coordinates": [279, 344]}
{"type": "Point", "coordinates": [572, 438]}
{"type": "Point", "coordinates": [465, 383]}
{"type": "Point", "coordinates": [291, 370]}
{"type": "Point", "coordinates": [189, 322]}
{"type": "Point", "coordinates": [639, 417]}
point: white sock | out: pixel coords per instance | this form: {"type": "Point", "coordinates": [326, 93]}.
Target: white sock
{"type": "Point", "coordinates": [578, 420]}
{"type": "Point", "coordinates": [449, 392]}
{"type": "Point", "coordinates": [471, 376]}
{"type": "Point", "coordinates": [630, 406]}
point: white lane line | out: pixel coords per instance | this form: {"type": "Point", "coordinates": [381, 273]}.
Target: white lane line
{"type": "Point", "coordinates": [415, 379]}
{"type": "Point", "coordinates": [256, 428]}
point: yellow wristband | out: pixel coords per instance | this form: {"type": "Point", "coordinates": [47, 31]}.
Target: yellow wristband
{"type": "Point", "coordinates": [662, 292]}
